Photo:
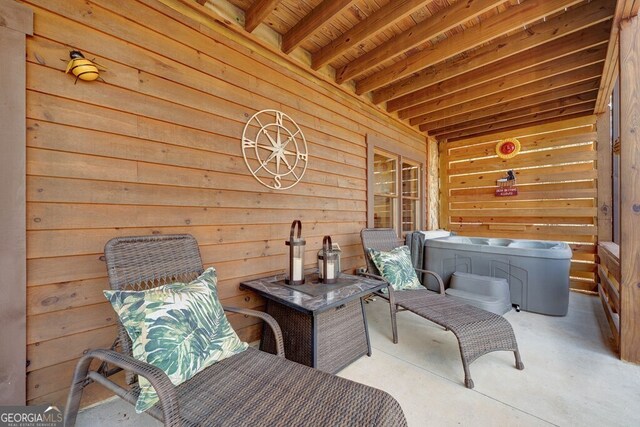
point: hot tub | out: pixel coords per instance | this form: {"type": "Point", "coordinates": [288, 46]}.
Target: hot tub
{"type": "Point", "coordinates": [537, 271]}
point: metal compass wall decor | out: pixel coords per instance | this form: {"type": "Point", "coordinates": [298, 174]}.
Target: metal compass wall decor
{"type": "Point", "coordinates": [274, 149]}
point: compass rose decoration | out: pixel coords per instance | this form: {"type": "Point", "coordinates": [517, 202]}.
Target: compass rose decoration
{"type": "Point", "coordinates": [274, 149]}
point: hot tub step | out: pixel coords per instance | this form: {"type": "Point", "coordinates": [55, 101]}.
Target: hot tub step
{"type": "Point", "coordinates": [488, 293]}
{"type": "Point", "coordinates": [492, 304]}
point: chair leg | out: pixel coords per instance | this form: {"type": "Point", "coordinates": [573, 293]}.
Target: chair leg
{"type": "Point", "coordinates": [519, 364]}
{"type": "Point", "coordinates": [75, 394]}
{"type": "Point", "coordinates": [394, 326]}
{"type": "Point", "coordinates": [468, 382]}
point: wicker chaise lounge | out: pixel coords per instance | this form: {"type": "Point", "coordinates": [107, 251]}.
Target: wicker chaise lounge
{"type": "Point", "coordinates": [252, 388]}
{"type": "Point", "coordinates": [478, 331]}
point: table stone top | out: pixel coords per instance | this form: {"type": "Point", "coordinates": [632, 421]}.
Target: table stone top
{"type": "Point", "coordinates": [274, 288]}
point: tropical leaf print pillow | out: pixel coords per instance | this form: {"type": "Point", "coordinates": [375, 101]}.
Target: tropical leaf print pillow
{"type": "Point", "coordinates": [395, 266]}
{"type": "Point", "coordinates": [180, 328]}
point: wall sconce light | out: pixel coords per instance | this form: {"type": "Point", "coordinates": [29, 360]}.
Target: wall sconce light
{"type": "Point", "coordinates": [83, 68]}
{"type": "Point", "coordinates": [296, 255]}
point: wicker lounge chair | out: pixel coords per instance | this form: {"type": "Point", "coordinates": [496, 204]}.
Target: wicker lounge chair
{"type": "Point", "coordinates": [252, 388]}
{"type": "Point", "coordinates": [478, 332]}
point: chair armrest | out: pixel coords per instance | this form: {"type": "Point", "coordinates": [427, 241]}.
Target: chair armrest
{"type": "Point", "coordinates": [273, 324]}
{"type": "Point", "coordinates": [436, 275]}
{"type": "Point", "coordinates": [156, 376]}
{"type": "Point", "coordinates": [373, 276]}
{"type": "Point", "coordinates": [391, 296]}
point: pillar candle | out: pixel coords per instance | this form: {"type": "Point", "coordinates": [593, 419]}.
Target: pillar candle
{"type": "Point", "coordinates": [331, 269]}
{"type": "Point", "coordinates": [297, 269]}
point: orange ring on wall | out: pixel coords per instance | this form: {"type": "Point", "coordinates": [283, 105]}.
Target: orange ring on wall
{"type": "Point", "coordinates": [508, 148]}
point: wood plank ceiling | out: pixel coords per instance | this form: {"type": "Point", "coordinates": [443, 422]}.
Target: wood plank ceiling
{"type": "Point", "coordinates": [454, 69]}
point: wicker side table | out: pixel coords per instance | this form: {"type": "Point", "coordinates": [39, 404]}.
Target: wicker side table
{"type": "Point", "coordinates": [327, 331]}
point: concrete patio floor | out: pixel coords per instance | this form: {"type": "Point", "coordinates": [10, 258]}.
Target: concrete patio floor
{"type": "Point", "coordinates": [571, 375]}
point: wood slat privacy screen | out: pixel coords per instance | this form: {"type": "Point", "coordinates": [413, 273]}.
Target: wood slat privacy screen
{"type": "Point", "coordinates": [556, 181]}
{"type": "Point", "coordinates": [155, 148]}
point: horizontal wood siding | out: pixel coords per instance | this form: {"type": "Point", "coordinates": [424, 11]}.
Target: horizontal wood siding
{"type": "Point", "coordinates": [156, 149]}
{"type": "Point", "coordinates": [556, 181]}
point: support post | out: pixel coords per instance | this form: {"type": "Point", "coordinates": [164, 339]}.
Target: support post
{"type": "Point", "coordinates": [16, 21]}
{"type": "Point", "coordinates": [433, 184]}
{"type": "Point", "coordinates": [444, 184]}
{"type": "Point", "coordinates": [630, 190]}
{"type": "Point", "coordinates": [605, 183]}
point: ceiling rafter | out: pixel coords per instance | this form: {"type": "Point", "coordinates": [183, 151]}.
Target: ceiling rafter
{"type": "Point", "coordinates": [551, 83]}
{"type": "Point", "coordinates": [258, 12]}
{"type": "Point", "coordinates": [470, 67]}
{"type": "Point", "coordinates": [512, 19]}
{"type": "Point", "coordinates": [379, 21]}
{"type": "Point", "coordinates": [535, 57]}
{"type": "Point", "coordinates": [579, 19]}
{"type": "Point", "coordinates": [566, 93]}
{"type": "Point", "coordinates": [322, 13]}
{"type": "Point", "coordinates": [441, 22]}
{"type": "Point", "coordinates": [560, 66]}
{"type": "Point", "coordinates": [538, 130]}
{"type": "Point", "coordinates": [549, 117]}
{"type": "Point", "coordinates": [556, 104]}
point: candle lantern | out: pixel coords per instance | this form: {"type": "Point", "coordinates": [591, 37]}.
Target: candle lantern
{"type": "Point", "coordinates": [296, 255]}
{"type": "Point", "coordinates": [328, 262]}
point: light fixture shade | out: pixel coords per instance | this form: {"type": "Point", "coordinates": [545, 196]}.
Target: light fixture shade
{"type": "Point", "coordinates": [296, 254]}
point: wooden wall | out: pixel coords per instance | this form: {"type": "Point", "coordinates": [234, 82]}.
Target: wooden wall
{"type": "Point", "coordinates": [556, 181]}
{"type": "Point", "coordinates": [156, 149]}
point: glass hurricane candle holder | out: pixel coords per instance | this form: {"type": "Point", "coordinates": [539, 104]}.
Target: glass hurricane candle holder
{"type": "Point", "coordinates": [328, 262]}
{"type": "Point", "coordinates": [296, 254]}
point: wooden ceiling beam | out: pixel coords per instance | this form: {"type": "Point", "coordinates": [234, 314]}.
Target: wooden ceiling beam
{"type": "Point", "coordinates": [580, 91]}
{"type": "Point", "coordinates": [559, 48]}
{"type": "Point", "coordinates": [624, 9]}
{"type": "Point", "coordinates": [631, 8]}
{"type": "Point", "coordinates": [512, 19]}
{"type": "Point", "coordinates": [580, 18]}
{"type": "Point", "coordinates": [538, 131]}
{"type": "Point", "coordinates": [609, 75]}
{"type": "Point", "coordinates": [308, 25]}
{"type": "Point", "coordinates": [542, 119]}
{"type": "Point", "coordinates": [379, 21]}
{"type": "Point", "coordinates": [258, 12]}
{"type": "Point", "coordinates": [557, 104]}
{"type": "Point", "coordinates": [563, 65]}
{"type": "Point", "coordinates": [438, 24]}
{"type": "Point", "coordinates": [552, 83]}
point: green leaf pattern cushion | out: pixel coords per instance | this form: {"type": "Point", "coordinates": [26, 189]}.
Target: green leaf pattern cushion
{"type": "Point", "coordinates": [180, 328]}
{"type": "Point", "coordinates": [395, 266]}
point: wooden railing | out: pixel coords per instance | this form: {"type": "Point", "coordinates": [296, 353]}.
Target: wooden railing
{"type": "Point", "coordinates": [609, 285]}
